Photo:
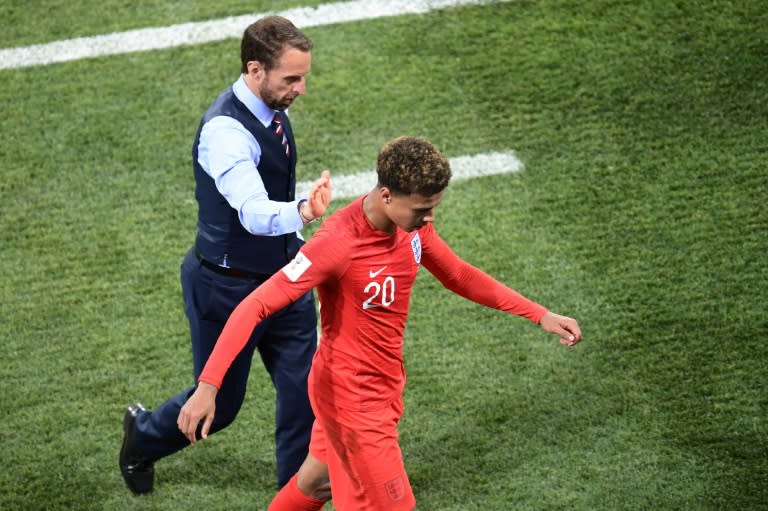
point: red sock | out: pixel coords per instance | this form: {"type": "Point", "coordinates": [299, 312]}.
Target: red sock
{"type": "Point", "coordinates": [290, 498]}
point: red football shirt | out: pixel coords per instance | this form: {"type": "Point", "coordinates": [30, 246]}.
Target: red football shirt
{"type": "Point", "coordinates": [364, 279]}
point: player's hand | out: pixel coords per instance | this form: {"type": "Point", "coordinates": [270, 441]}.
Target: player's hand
{"type": "Point", "coordinates": [319, 197]}
{"type": "Point", "coordinates": [567, 328]}
{"type": "Point", "coordinates": [200, 406]}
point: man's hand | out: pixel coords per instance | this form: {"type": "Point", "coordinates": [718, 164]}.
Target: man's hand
{"type": "Point", "coordinates": [567, 328]}
{"type": "Point", "coordinates": [200, 406]}
{"type": "Point", "coordinates": [319, 198]}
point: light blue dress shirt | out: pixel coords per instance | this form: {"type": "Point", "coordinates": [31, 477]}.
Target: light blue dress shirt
{"type": "Point", "coordinates": [230, 154]}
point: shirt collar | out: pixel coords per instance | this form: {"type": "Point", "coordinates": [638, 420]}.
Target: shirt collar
{"type": "Point", "coordinates": [257, 107]}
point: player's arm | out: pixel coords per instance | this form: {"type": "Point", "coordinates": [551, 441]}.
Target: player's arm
{"type": "Point", "coordinates": [474, 284]}
{"type": "Point", "coordinates": [319, 259]}
{"type": "Point", "coordinates": [266, 299]}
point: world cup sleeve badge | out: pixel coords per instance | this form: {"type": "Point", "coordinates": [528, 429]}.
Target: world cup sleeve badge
{"type": "Point", "coordinates": [297, 267]}
{"type": "Point", "coordinates": [416, 246]}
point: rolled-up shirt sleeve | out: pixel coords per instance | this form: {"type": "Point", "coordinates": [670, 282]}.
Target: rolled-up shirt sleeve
{"type": "Point", "coordinates": [230, 154]}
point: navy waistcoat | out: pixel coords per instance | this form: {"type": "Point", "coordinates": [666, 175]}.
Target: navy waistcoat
{"type": "Point", "coordinates": [221, 238]}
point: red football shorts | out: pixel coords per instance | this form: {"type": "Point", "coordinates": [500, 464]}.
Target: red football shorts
{"type": "Point", "coordinates": [364, 460]}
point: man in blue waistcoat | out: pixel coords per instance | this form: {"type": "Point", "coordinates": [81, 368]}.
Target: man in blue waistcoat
{"type": "Point", "coordinates": [244, 161]}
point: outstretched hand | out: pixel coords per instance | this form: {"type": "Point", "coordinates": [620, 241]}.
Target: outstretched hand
{"type": "Point", "coordinates": [567, 328]}
{"type": "Point", "coordinates": [319, 197]}
{"type": "Point", "coordinates": [200, 407]}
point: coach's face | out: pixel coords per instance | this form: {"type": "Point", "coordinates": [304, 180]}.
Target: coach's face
{"type": "Point", "coordinates": [280, 86]}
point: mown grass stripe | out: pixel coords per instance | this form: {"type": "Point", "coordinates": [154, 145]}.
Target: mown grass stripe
{"type": "Point", "coordinates": [185, 34]}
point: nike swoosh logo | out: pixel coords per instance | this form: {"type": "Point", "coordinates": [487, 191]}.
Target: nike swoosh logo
{"type": "Point", "coordinates": [373, 274]}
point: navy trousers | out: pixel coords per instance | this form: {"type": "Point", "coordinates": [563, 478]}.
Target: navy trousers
{"type": "Point", "coordinates": [286, 343]}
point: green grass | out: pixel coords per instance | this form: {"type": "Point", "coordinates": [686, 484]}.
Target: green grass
{"type": "Point", "coordinates": [641, 212]}
{"type": "Point", "coordinates": [26, 23]}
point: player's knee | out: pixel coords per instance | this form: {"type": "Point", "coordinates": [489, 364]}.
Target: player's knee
{"type": "Point", "coordinates": [312, 479]}
{"type": "Point", "coordinates": [318, 488]}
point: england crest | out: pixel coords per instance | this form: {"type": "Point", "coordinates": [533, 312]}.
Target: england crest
{"type": "Point", "coordinates": [416, 246]}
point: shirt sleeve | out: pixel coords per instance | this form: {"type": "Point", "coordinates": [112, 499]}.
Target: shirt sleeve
{"type": "Point", "coordinates": [472, 283]}
{"type": "Point", "coordinates": [230, 154]}
{"type": "Point", "coordinates": [319, 259]}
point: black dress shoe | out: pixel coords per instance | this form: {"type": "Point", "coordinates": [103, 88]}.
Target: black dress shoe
{"type": "Point", "coordinates": [138, 472]}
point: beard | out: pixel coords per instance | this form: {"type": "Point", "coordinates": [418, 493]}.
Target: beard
{"type": "Point", "coordinates": [274, 101]}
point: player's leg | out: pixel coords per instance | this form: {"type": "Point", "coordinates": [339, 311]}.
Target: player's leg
{"type": "Point", "coordinates": [310, 487]}
{"type": "Point", "coordinates": [365, 462]}
{"type": "Point", "coordinates": [307, 490]}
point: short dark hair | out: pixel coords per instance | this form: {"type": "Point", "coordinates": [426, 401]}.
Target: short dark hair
{"type": "Point", "coordinates": [409, 165]}
{"type": "Point", "coordinates": [265, 40]}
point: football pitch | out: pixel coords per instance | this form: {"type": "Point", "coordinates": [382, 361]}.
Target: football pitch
{"type": "Point", "coordinates": [611, 165]}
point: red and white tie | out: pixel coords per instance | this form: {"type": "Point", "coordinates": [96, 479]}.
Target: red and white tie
{"type": "Point", "coordinates": [277, 123]}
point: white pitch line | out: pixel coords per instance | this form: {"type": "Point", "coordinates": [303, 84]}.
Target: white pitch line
{"type": "Point", "coordinates": [462, 167]}
{"type": "Point", "coordinates": [184, 34]}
